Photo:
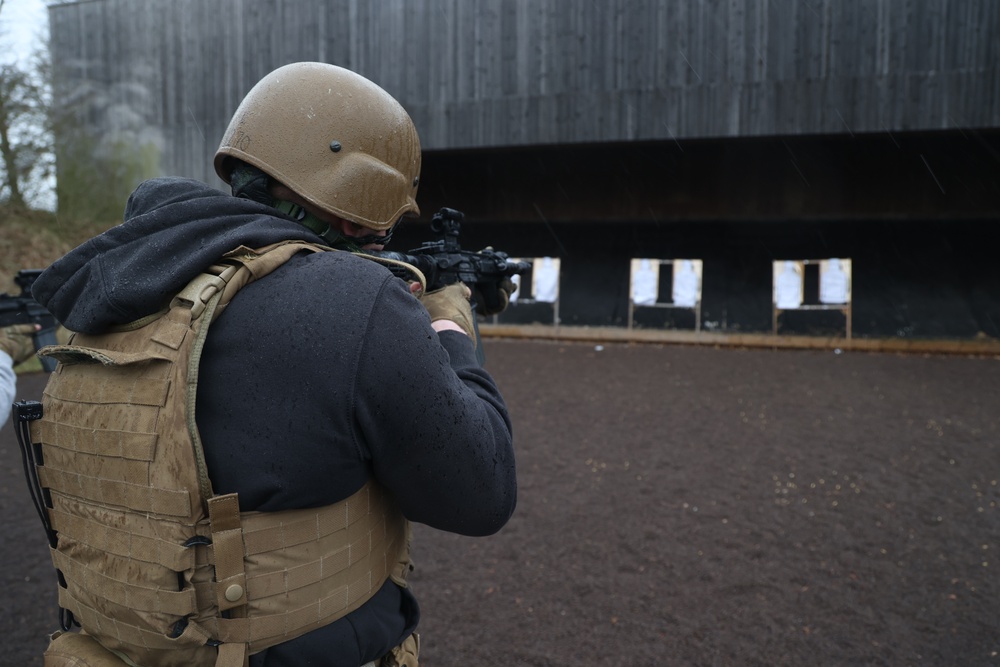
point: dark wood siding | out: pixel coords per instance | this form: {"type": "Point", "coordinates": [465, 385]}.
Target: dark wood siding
{"type": "Point", "coordinates": [492, 73]}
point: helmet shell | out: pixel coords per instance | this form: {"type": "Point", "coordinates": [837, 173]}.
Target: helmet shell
{"type": "Point", "coordinates": [333, 137]}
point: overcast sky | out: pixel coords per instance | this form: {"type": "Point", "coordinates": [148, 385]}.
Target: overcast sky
{"type": "Point", "coordinates": [23, 23]}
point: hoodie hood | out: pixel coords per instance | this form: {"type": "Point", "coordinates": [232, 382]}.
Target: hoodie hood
{"type": "Point", "coordinates": [173, 230]}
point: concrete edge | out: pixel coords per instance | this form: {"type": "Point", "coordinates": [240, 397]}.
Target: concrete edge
{"type": "Point", "coordinates": [973, 347]}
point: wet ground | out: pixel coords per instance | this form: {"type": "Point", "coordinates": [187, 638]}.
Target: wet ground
{"type": "Point", "coordinates": [694, 506]}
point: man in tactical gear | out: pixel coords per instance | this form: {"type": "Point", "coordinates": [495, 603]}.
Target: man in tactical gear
{"type": "Point", "coordinates": [322, 379]}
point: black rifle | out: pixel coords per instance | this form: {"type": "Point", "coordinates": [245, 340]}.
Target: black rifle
{"type": "Point", "coordinates": [443, 262]}
{"type": "Point", "coordinates": [23, 309]}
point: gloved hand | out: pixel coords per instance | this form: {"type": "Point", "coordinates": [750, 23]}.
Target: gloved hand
{"type": "Point", "coordinates": [16, 340]}
{"type": "Point", "coordinates": [451, 303]}
{"type": "Point", "coordinates": [495, 298]}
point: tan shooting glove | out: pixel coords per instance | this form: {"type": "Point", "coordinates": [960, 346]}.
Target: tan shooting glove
{"type": "Point", "coordinates": [16, 340]}
{"type": "Point", "coordinates": [451, 303]}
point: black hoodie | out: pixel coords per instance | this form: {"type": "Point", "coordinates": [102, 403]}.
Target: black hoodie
{"type": "Point", "coordinates": [314, 379]}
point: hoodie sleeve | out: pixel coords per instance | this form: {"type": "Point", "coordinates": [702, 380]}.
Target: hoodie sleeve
{"type": "Point", "coordinates": [433, 420]}
{"type": "Point", "coordinates": [8, 384]}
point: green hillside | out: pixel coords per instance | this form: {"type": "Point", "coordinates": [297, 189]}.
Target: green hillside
{"type": "Point", "coordinates": [34, 239]}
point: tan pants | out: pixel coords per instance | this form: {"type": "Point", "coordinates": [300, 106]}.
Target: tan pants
{"type": "Point", "coordinates": [404, 655]}
{"type": "Point", "coordinates": [74, 649]}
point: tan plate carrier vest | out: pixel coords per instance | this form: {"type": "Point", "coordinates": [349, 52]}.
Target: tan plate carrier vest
{"type": "Point", "coordinates": [157, 567]}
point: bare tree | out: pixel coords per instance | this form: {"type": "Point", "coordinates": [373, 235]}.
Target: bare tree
{"type": "Point", "coordinates": [25, 149]}
{"type": "Point", "coordinates": [26, 156]}
{"type": "Point", "coordinates": [71, 139]}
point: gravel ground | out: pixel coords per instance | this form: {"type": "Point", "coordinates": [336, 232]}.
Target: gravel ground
{"type": "Point", "coordinates": [684, 505]}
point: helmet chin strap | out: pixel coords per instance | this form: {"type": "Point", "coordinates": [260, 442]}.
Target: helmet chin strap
{"type": "Point", "coordinates": [323, 229]}
{"type": "Point", "coordinates": [251, 183]}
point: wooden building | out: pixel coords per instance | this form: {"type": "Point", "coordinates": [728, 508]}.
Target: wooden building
{"type": "Point", "coordinates": [737, 133]}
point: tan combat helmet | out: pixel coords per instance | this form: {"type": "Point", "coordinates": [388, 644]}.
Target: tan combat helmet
{"type": "Point", "coordinates": [333, 137]}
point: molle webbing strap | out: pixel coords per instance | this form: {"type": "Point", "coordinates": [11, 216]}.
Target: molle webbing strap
{"type": "Point", "coordinates": [227, 547]}
{"type": "Point", "coordinates": [354, 546]}
{"type": "Point", "coordinates": [113, 631]}
{"type": "Point", "coordinates": [230, 572]}
{"type": "Point", "coordinates": [121, 538]}
{"type": "Point", "coordinates": [118, 589]}
{"type": "Point", "coordinates": [106, 491]}
{"type": "Point", "coordinates": [262, 261]}
{"type": "Point", "coordinates": [150, 556]}
{"type": "Point", "coordinates": [239, 267]}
